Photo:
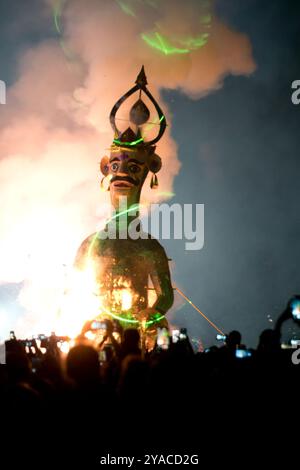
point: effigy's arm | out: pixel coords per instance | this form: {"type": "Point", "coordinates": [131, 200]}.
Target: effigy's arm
{"type": "Point", "coordinates": [161, 279]}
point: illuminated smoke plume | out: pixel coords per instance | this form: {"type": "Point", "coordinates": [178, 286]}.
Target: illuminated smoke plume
{"type": "Point", "coordinates": [55, 129]}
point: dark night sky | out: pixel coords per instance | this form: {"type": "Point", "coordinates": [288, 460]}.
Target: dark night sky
{"type": "Point", "coordinates": [239, 152]}
{"type": "Point", "coordinates": [249, 129]}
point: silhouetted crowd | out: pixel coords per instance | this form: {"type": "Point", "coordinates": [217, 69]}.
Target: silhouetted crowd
{"type": "Point", "coordinates": [116, 396]}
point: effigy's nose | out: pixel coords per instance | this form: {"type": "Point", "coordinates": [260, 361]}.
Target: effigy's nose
{"type": "Point", "coordinates": [123, 169]}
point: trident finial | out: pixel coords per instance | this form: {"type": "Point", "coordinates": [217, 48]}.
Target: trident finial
{"type": "Point", "coordinates": [139, 115]}
{"type": "Point", "coordinates": [141, 80]}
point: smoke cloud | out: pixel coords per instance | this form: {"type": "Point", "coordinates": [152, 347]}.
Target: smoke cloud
{"type": "Point", "coordinates": [54, 128]}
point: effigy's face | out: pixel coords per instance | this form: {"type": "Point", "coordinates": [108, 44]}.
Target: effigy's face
{"type": "Point", "coordinates": [128, 171]}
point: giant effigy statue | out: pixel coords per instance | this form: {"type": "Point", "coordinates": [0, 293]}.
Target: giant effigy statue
{"type": "Point", "coordinates": [125, 264]}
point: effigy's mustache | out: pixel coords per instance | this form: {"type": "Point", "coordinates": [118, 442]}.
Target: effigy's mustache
{"type": "Point", "coordinates": [125, 178]}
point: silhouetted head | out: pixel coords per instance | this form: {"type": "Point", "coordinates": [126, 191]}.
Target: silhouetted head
{"type": "Point", "coordinates": [269, 341]}
{"type": "Point", "coordinates": [233, 339]}
{"type": "Point", "coordinates": [51, 368]}
{"type": "Point", "coordinates": [131, 337]}
{"type": "Point", "coordinates": [133, 378]}
{"type": "Point", "coordinates": [18, 366]}
{"type": "Point", "coordinates": [83, 364]}
{"type": "Point", "coordinates": [130, 343]}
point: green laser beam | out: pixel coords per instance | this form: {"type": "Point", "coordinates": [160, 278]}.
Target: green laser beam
{"type": "Point", "coordinates": [195, 43]}
{"type": "Point", "coordinates": [133, 208]}
{"type": "Point", "coordinates": [132, 321]}
{"type": "Point", "coordinates": [126, 8]}
{"type": "Point", "coordinates": [138, 141]}
{"type": "Point", "coordinates": [163, 44]}
{"type": "Point", "coordinates": [130, 9]}
{"type": "Point", "coordinates": [131, 144]}
{"type": "Point", "coordinates": [57, 10]}
{"type": "Point", "coordinates": [157, 41]}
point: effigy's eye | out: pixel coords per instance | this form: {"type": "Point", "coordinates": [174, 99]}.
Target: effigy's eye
{"type": "Point", "coordinates": [134, 168]}
{"type": "Point", "coordinates": [114, 166]}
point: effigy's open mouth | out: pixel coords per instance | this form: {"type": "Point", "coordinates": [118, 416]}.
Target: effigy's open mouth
{"type": "Point", "coordinates": [122, 184]}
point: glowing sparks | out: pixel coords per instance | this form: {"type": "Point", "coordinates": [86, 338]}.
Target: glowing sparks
{"type": "Point", "coordinates": [121, 295]}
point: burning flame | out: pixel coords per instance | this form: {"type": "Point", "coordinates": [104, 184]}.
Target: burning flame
{"type": "Point", "coordinates": [73, 297]}
{"type": "Point", "coordinates": [85, 300]}
{"type": "Point", "coordinates": [126, 299]}
{"type": "Point", "coordinates": [122, 296]}
{"type": "Point", "coordinates": [81, 302]}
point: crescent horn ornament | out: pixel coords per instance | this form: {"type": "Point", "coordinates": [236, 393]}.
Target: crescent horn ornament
{"type": "Point", "coordinates": [139, 114]}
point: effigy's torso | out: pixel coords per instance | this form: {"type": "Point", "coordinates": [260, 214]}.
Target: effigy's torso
{"type": "Point", "coordinates": [122, 269]}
